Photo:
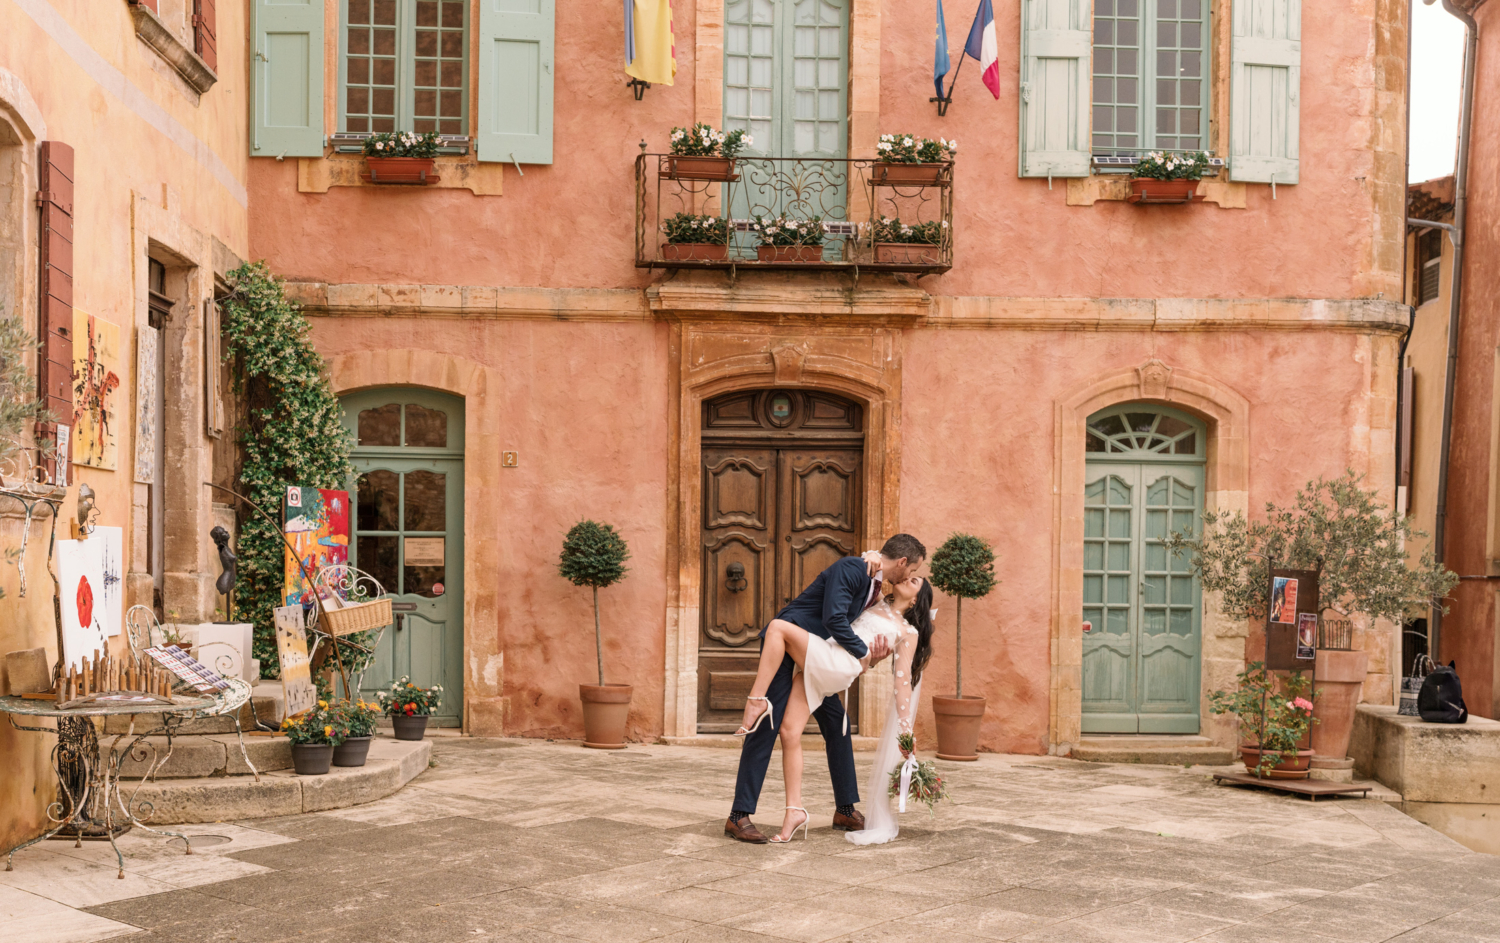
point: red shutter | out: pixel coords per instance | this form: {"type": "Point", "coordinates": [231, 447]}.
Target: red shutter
{"type": "Point", "coordinates": [204, 43]}
{"type": "Point", "coordinates": [55, 318]}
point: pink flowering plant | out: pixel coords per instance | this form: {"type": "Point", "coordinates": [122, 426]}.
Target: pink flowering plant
{"type": "Point", "coordinates": [688, 228]}
{"type": "Point", "coordinates": [914, 149]}
{"type": "Point", "coordinates": [785, 231]}
{"type": "Point", "coordinates": [1160, 165]}
{"type": "Point", "coordinates": [1275, 713]}
{"type": "Point", "coordinates": [402, 144]}
{"type": "Point", "coordinates": [888, 229]}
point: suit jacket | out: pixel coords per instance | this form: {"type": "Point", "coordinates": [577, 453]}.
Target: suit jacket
{"type": "Point", "coordinates": [833, 600]}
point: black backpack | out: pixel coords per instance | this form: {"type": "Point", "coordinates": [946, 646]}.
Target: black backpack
{"type": "Point", "coordinates": [1441, 700]}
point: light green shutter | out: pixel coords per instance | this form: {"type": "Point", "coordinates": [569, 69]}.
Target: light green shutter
{"type": "Point", "coordinates": [1265, 74]}
{"type": "Point", "coordinates": [287, 83]}
{"type": "Point", "coordinates": [515, 81]}
{"type": "Point", "coordinates": [1055, 55]}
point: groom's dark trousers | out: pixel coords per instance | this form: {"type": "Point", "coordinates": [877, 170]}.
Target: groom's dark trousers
{"type": "Point", "coordinates": [825, 609]}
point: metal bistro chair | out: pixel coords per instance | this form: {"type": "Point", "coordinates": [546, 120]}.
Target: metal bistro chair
{"type": "Point", "coordinates": [141, 626]}
{"type": "Point", "coordinates": [349, 602]}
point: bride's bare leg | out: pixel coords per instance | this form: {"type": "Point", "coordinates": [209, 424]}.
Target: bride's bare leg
{"type": "Point", "coordinates": [782, 639]}
{"type": "Point", "coordinates": [792, 726]}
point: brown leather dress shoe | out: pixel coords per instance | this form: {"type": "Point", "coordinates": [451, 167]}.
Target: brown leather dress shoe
{"type": "Point", "coordinates": [744, 830]}
{"type": "Point", "coordinates": [853, 822]}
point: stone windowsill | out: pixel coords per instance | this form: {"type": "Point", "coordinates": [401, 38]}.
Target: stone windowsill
{"type": "Point", "coordinates": [154, 33]}
{"type": "Point", "coordinates": [459, 172]}
{"type": "Point", "coordinates": [1086, 191]}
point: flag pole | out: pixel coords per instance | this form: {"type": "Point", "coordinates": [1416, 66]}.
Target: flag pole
{"type": "Point", "coordinates": [947, 100]}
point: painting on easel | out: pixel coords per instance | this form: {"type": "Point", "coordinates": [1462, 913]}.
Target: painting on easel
{"type": "Point", "coordinates": [91, 594]}
{"type": "Point", "coordinates": [317, 526]}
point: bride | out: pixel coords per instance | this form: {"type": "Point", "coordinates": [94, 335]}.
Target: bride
{"type": "Point", "coordinates": [904, 618]}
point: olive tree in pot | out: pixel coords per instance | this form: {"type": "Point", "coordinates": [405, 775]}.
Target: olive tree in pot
{"type": "Point", "coordinates": [594, 555]}
{"type": "Point", "coordinates": [1358, 546]}
{"type": "Point", "coordinates": [964, 568]}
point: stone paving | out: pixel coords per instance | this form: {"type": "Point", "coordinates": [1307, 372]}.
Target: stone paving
{"type": "Point", "coordinates": [536, 842]}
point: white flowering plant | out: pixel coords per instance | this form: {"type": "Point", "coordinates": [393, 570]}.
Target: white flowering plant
{"type": "Point", "coordinates": [686, 228]}
{"type": "Point", "coordinates": [784, 231]}
{"type": "Point", "coordinates": [1160, 165]}
{"type": "Point", "coordinates": [914, 149]}
{"type": "Point", "coordinates": [888, 229]}
{"type": "Point", "coordinates": [703, 140]}
{"type": "Point", "coordinates": [402, 144]}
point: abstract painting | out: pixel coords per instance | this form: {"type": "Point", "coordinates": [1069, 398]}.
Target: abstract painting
{"type": "Point", "coordinates": [96, 391]}
{"type": "Point", "coordinates": [317, 525]}
{"type": "Point", "coordinates": [145, 405]}
{"type": "Point", "coordinates": [296, 668]}
{"type": "Point", "coordinates": [90, 592]}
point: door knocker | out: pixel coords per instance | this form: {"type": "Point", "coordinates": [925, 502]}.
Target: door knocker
{"type": "Point", "coordinates": [734, 577]}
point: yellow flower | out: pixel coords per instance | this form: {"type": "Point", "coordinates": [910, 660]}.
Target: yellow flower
{"type": "Point", "coordinates": [328, 731]}
{"type": "Point", "coordinates": [323, 704]}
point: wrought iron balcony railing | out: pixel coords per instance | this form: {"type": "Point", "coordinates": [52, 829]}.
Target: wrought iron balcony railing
{"type": "Point", "coordinates": [864, 210]}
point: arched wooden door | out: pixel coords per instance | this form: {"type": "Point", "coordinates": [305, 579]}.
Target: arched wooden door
{"type": "Point", "coordinates": [782, 500]}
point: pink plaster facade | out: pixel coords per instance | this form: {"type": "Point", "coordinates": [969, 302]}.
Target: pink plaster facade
{"type": "Point", "coordinates": [1275, 319]}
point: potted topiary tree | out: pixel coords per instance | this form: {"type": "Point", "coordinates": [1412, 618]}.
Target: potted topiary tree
{"type": "Point", "coordinates": [1358, 547]}
{"type": "Point", "coordinates": [594, 555]}
{"type": "Point", "coordinates": [964, 568]}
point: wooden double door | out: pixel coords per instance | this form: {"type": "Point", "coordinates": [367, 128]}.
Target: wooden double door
{"type": "Point", "coordinates": [782, 501]}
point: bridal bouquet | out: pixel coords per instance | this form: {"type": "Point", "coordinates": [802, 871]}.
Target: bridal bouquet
{"type": "Point", "coordinates": [918, 779]}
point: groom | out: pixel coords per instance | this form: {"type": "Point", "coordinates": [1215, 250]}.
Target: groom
{"type": "Point", "coordinates": [826, 608]}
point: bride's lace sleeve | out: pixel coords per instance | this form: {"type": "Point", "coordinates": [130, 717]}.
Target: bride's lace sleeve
{"type": "Point", "coordinates": [906, 648]}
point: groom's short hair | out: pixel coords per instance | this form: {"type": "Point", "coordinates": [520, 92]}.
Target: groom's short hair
{"type": "Point", "coordinates": [904, 545]}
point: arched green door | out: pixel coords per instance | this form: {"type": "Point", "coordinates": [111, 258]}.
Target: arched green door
{"type": "Point", "coordinates": [407, 531]}
{"type": "Point", "coordinates": [1142, 608]}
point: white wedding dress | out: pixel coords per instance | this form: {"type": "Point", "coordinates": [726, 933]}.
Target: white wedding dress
{"type": "Point", "coordinates": [829, 669]}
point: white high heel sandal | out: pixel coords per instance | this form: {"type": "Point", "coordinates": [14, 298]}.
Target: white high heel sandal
{"type": "Point", "coordinates": [743, 732]}
{"type": "Point", "coordinates": [802, 825]}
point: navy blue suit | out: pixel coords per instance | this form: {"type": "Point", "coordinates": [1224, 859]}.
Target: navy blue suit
{"type": "Point", "coordinates": [825, 609]}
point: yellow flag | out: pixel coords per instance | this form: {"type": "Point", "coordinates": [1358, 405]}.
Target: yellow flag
{"type": "Point", "coordinates": [655, 47]}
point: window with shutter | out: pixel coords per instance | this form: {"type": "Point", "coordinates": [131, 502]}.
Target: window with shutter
{"type": "Point", "coordinates": [515, 81]}
{"type": "Point", "coordinates": [1150, 59]}
{"type": "Point", "coordinates": [55, 323]}
{"type": "Point", "coordinates": [205, 44]}
{"type": "Point", "coordinates": [404, 66]}
{"type": "Point", "coordinates": [1265, 75]}
{"type": "Point", "coordinates": [1055, 52]}
{"type": "Point", "coordinates": [287, 78]}
{"type": "Point", "coordinates": [785, 75]}
{"type": "Point", "coordinates": [1430, 257]}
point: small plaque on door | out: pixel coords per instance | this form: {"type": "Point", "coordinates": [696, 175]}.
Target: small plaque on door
{"type": "Point", "coordinates": [424, 551]}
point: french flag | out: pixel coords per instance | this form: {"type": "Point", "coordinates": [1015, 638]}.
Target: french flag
{"type": "Point", "coordinates": [982, 46]}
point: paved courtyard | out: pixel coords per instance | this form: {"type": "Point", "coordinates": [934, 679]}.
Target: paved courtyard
{"type": "Point", "coordinates": [535, 842]}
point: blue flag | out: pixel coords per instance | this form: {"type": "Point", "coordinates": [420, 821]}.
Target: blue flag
{"type": "Point", "coordinates": [940, 62]}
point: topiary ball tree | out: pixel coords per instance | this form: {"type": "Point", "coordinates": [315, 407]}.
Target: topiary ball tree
{"type": "Point", "coordinates": [594, 554]}
{"type": "Point", "coordinates": [964, 568]}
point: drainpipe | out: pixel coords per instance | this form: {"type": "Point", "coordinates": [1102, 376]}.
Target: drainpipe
{"type": "Point", "coordinates": [1455, 293]}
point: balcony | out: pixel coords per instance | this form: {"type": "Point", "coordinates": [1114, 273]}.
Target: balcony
{"type": "Point", "coordinates": [854, 202]}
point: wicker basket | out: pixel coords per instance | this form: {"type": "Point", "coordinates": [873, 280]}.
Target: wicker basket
{"type": "Point", "coordinates": [357, 617]}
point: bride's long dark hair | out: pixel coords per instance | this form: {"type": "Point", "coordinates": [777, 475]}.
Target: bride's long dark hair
{"type": "Point", "coordinates": [920, 616]}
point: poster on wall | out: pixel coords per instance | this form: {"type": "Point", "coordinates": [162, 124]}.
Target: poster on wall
{"type": "Point", "coordinates": [1307, 635]}
{"type": "Point", "coordinates": [145, 405]}
{"type": "Point", "coordinates": [91, 592]}
{"type": "Point", "coordinates": [1283, 600]}
{"type": "Point", "coordinates": [296, 670]}
{"type": "Point", "coordinates": [317, 526]}
{"type": "Point", "coordinates": [96, 391]}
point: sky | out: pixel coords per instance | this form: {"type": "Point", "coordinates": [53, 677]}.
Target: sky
{"type": "Point", "coordinates": [1437, 62]}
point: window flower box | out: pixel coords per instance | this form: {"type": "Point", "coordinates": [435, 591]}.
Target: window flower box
{"type": "Point", "coordinates": [705, 153]}
{"type": "Point", "coordinates": [694, 252]}
{"type": "Point", "coordinates": [1148, 190]}
{"type": "Point", "coordinates": [906, 175]}
{"type": "Point", "coordinates": [910, 160]}
{"type": "Point", "coordinates": [407, 170]}
{"type": "Point", "coordinates": [907, 253]}
{"type": "Point", "coordinates": [701, 168]}
{"type": "Point", "coordinates": [789, 253]}
{"type": "Point", "coordinates": [695, 238]}
{"type": "Point", "coordinates": [1160, 177]}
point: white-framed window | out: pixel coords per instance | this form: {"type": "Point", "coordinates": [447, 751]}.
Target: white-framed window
{"type": "Point", "coordinates": [404, 66]}
{"type": "Point", "coordinates": [1150, 76]}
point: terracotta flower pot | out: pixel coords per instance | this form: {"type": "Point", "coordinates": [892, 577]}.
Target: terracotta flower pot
{"type": "Point", "coordinates": [906, 175]}
{"type": "Point", "coordinates": [908, 253]}
{"type": "Point", "coordinates": [1341, 676]}
{"type": "Point", "coordinates": [1290, 767]}
{"type": "Point", "coordinates": [311, 759]}
{"type": "Point", "coordinates": [789, 253]}
{"type": "Point", "coordinates": [605, 707]}
{"type": "Point", "coordinates": [1146, 190]}
{"type": "Point", "coordinates": [958, 720]}
{"type": "Point", "coordinates": [352, 752]}
{"type": "Point", "coordinates": [413, 727]}
{"type": "Point", "coordinates": [701, 168]}
{"type": "Point", "coordinates": [400, 170]}
{"type": "Point", "coordinates": [694, 252]}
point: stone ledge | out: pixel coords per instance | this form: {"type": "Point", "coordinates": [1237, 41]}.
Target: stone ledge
{"type": "Point", "coordinates": [1159, 750]}
{"type": "Point", "coordinates": [392, 764]}
{"type": "Point", "coordinates": [318, 174]}
{"type": "Point", "coordinates": [1086, 191]}
{"type": "Point", "coordinates": [154, 33]}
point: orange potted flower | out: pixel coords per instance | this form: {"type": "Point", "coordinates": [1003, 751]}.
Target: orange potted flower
{"type": "Point", "coordinates": [409, 706]}
{"type": "Point", "coordinates": [314, 735]}
{"type": "Point", "coordinates": [401, 157]}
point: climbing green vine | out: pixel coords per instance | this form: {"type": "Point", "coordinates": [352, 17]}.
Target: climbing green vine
{"type": "Point", "coordinates": [292, 434]}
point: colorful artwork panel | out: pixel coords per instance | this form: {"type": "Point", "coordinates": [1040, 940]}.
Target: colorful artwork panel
{"type": "Point", "coordinates": [317, 526]}
{"type": "Point", "coordinates": [296, 667]}
{"type": "Point", "coordinates": [96, 391]}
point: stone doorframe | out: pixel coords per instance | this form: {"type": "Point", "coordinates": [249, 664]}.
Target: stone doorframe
{"type": "Point", "coordinates": [862, 363]}
{"type": "Point", "coordinates": [1227, 414]}
{"type": "Point", "coordinates": [484, 676]}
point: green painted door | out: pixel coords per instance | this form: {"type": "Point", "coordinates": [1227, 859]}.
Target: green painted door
{"type": "Point", "coordinates": [408, 512]}
{"type": "Point", "coordinates": [786, 64]}
{"type": "Point", "coordinates": [1142, 608]}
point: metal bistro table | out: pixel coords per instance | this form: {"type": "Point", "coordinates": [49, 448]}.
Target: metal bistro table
{"type": "Point", "coordinates": [92, 803]}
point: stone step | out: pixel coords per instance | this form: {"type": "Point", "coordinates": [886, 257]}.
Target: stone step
{"type": "Point", "coordinates": [207, 755]}
{"type": "Point", "coordinates": [267, 709]}
{"type": "Point", "coordinates": [1159, 749]}
{"type": "Point", "coordinates": [391, 765]}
